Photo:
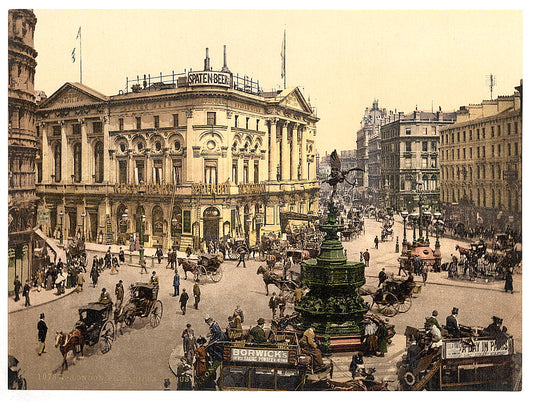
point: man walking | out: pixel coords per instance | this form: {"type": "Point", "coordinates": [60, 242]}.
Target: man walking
{"type": "Point", "coordinates": [376, 242]}
{"type": "Point", "coordinates": [273, 304]}
{"type": "Point", "coordinates": [80, 280]}
{"type": "Point", "coordinates": [382, 276]}
{"type": "Point", "coordinates": [196, 293]}
{"type": "Point", "coordinates": [143, 266]}
{"type": "Point", "coordinates": [26, 293]}
{"type": "Point", "coordinates": [176, 283]}
{"type": "Point", "coordinates": [17, 284]}
{"type": "Point", "coordinates": [183, 301]}
{"type": "Point", "coordinates": [424, 273]}
{"type": "Point", "coordinates": [242, 254]}
{"type": "Point", "coordinates": [42, 329]}
{"type": "Point", "coordinates": [121, 256]}
{"type": "Point", "coordinates": [119, 293]}
{"type": "Point", "coordinates": [189, 343]}
{"type": "Point", "coordinates": [282, 303]}
{"type": "Point", "coordinates": [366, 257]}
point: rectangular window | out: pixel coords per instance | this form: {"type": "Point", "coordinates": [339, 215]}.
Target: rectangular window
{"type": "Point", "coordinates": [492, 150]}
{"type": "Point", "coordinates": [499, 149]}
{"type": "Point", "coordinates": [478, 154]}
{"type": "Point", "coordinates": [509, 149]}
{"type": "Point", "coordinates": [516, 127]}
{"type": "Point", "coordinates": [210, 172]}
{"type": "Point", "coordinates": [156, 121]}
{"type": "Point", "coordinates": [470, 152]}
{"type": "Point", "coordinates": [257, 125]}
{"type": "Point", "coordinates": [508, 128]}
{"type": "Point", "coordinates": [211, 118]}
{"type": "Point", "coordinates": [235, 173]}
{"type": "Point", "coordinates": [483, 132]}
{"type": "Point", "coordinates": [483, 151]}
{"type": "Point", "coordinates": [470, 135]}
{"type": "Point", "coordinates": [425, 130]}
{"type": "Point", "coordinates": [407, 130]}
{"type": "Point", "coordinates": [175, 120]}
{"type": "Point", "coordinates": [499, 130]}
{"type": "Point", "coordinates": [477, 133]}
{"type": "Point", "coordinates": [492, 131]}
{"type": "Point", "coordinates": [56, 130]}
{"type": "Point", "coordinates": [434, 146]}
{"type": "Point", "coordinates": [123, 171]}
{"type": "Point", "coordinates": [464, 136]}
{"type": "Point", "coordinates": [424, 162]}
{"type": "Point", "coordinates": [433, 161]}
{"type": "Point", "coordinates": [157, 172]}
{"type": "Point", "coordinates": [516, 148]}
{"type": "Point", "coordinates": [97, 127]}
{"type": "Point", "coordinates": [139, 172]}
{"type": "Point", "coordinates": [138, 122]}
{"type": "Point", "coordinates": [236, 120]}
{"type": "Point", "coordinates": [186, 221]}
{"type": "Point", "coordinates": [453, 138]}
{"type": "Point", "coordinates": [424, 146]}
{"type": "Point", "coordinates": [121, 124]}
{"type": "Point", "coordinates": [408, 162]}
{"type": "Point", "coordinates": [177, 172]}
{"type": "Point", "coordinates": [408, 147]}
{"type": "Point", "coordinates": [247, 121]}
{"type": "Point", "coordinates": [464, 153]}
{"type": "Point", "coordinates": [76, 129]}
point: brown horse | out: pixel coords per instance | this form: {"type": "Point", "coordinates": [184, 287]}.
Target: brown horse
{"type": "Point", "coordinates": [68, 342]}
{"type": "Point", "coordinates": [462, 250]}
{"type": "Point", "coordinates": [188, 266]}
{"type": "Point", "coordinates": [269, 277]}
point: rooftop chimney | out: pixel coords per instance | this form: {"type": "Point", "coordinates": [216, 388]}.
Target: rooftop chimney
{"type": "Point", "coordinates": [207, 63]}
{"type": "Point", "coordinates": [225, 66]}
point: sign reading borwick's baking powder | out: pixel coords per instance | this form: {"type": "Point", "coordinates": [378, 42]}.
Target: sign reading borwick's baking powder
{"type": "Point", "coordinates": [197, 78]}
{"type": "Point", "coordinates": [260, 355]}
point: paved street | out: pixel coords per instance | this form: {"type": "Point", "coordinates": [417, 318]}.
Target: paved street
{"type": "Point", "coordinates": [139, 358]}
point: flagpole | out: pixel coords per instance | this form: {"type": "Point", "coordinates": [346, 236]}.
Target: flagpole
{"type": "Point", "coordinates": [284, 59]}
{"type": "Point", "coordinates": [81, 76]}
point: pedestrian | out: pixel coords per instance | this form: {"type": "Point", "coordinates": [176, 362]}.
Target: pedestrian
{"type": "Point", "coordinates": [357, 364]}
{"type": "Point", "coordinates": [200, 361]}
{"type": "Point", "coordinates": [239, 312]}
{"type": "Point", "coordinates": [173, 259]}
{"type": "Point", "coordinates": [119, 293]}
{"type": "Point", "coordinates": [80, 280]}
{"type": "Point", "coordinates": [273, 304]}
{"type": "Point", "coordinates": [121, 256]}
{"type": "Point", "coordinates": [17, 285]}
{"type": "Point", "coordinates": [196, 293]}
{"type": "Point", "coordinates": [143, 266]}
{"type": "Point", "coordinates": [371, 339]}
{"type": "Point", "coordinates": [509, 281]}
{"type": "Point", "coordinates": [382, 333]}
{"type": "Point", "coordinates": [382, 276]}
{"type": "Point", "coordinates": [242, 254]}
{"type": "Point", "coordinates": [107, 258]}
{"type": "Point", "coordinates": [159, 254]}
{"type": "Point", "coordinates": [282, 303]}
{"type": "Point", "coordinates": [424, 273]}
{"type": "Point", "coordinates": [42, 329]}
{"type": "Point", "coordinates": [26, 293]}
{"type": "Point", "coordinates": [114, 265]}
{"type": "Point", "coordinates": [176, 283]}
{"type": "Point", "coordinates": [366, 257]}
{"type": "Point", "coordinates": [183, 301]}
{"type": "Point", "coordinates": [189, 343]}
{"type": "Point", "coordinates": [376, 242]}
{"type": "Point", "coordinates": [94, 275]}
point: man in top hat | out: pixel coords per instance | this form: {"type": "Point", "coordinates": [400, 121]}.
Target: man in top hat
{"type": "Point", "coordinates": [42, 329]}
{"type": "Point", "coordinates": [451, 324]}
{"type": "Point", "coordinates": [154, 280]}
{"type": "Point", "coordinates": [17, 284]}
{"type": "Point", "coordinates": [495, 328]}
{"type": "Point", "coordinates": [258, 333]}
{"type": "Point", "coordinates": [119, 293]}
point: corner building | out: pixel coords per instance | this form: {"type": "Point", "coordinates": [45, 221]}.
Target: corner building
{"type": "Point", "coordinates": [199, 155]}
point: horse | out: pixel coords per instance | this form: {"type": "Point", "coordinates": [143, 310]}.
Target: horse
{"type": "Point", "coordinates": [188, 266]}
{"type": "Point", "coordinates": [67, 342]}
{"type": "Point", "coordinates": [269, 277]}
{"type": "Point", "coordinates": [463, 251]}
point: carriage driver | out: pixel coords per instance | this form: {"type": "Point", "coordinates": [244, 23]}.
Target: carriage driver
{"type": "Point", "coordinates": [105, 298]}
{"type": "Point", "coordinates": [154, 280]}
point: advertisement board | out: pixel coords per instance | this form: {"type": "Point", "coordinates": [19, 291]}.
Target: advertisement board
{"type": "Point", "coordinates": [260, 355]}
{"type": "Point", "coordinates": [197, 78]}
{"type": "Point", "coordinates": [459, 349]}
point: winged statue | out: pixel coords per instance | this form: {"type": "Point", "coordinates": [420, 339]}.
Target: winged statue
{"type": "Point", "coordinates": [338, 175]}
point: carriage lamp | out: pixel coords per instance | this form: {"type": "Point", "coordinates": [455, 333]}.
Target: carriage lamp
{"type": "Point", "coordinates": [61, 227]}
{"type": "Point", "coordinates": [83, 215]}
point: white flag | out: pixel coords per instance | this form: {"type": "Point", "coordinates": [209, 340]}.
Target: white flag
{"type": "Point", "coordinates": [73, 54]}
{"type": "Point", "coordinates": [79, 33]}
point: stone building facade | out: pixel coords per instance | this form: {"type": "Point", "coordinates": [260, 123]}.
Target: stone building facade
{"type": "Point", "coordinates": [191, 157]}
{"type": "Point", "coordinates": [410, 158]}
{"type": "Point", "coordinates": [481, 161]}
{"type": "Point", "coordinates": [369, 149]}
{"type": "Point", "coordinates": [22, 143]}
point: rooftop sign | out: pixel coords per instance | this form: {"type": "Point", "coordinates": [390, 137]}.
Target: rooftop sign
{"type": "Point", "coordinates": [198, 78]}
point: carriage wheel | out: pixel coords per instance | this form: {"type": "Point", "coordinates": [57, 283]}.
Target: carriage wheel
{"type": "Point", "coordinates": [200, 270]}
{"type": "Point", "coordinates": [409, 378]}
{"type": "Point", "coordinates": [405, 306]}
{"type": "Point", "coordinates": [106, 337]}
{"type": "Point", "coordinates": [216, 276]}
{"type": "Point", "coordinates": [389, 302]}
{"type": "Point", "coordinates": [156, 312]}
{"type": "Point", "coordinates": [129, 315]}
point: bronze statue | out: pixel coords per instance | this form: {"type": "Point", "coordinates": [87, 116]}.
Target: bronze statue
{"type": "Point", "coordinates": [337, 175]}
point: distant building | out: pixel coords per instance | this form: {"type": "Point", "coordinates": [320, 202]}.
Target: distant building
{"type": "Point", "coordinates": [369, 149]}
{"type": "Point", "coordinates": [481, 162]}
{"type": "Point", "coordinates": [188, 158]}
{"type": "Point", "coordinates": [22, 144]}
{"type": "Point", "coordinates": [409, 157]}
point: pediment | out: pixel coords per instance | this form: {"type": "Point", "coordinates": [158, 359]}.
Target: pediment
{"type": "Point", "coordinates": [296, 101]}
{"type": "Point", "coordinates": [70, 95]}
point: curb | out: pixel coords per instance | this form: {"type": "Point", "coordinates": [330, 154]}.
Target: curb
{"type": "Point", "coordinates": [43, 303]}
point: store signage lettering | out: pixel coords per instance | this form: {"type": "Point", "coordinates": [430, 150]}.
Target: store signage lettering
{"type": "Point", "coordinates": [476, 348]}
{"type": "Point", "coordinates": [209, 78]}
{"type": "Point", "coordinates": [260, 355]}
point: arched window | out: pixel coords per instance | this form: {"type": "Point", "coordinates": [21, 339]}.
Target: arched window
{"type": "Point", "coordinates": [77, 162]}
{"type": "Point", "coordinates": [157, 221]}
{"type": "Point", "coordinates": [57, 163]}
{"type": "Point", "coordinates": [99, 162]}
{"type": "Point", "coordinates": [176, 227]}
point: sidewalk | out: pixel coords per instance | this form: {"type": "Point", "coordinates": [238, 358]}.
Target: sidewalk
{"type": "Point", "coordinates": [37, 298]}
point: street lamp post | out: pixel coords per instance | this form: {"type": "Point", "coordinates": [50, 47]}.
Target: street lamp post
{"type": "Point", "coordinates": [173, 228]}
{"type": "Point", "coordinates": [427, 218]}
{"type": "Point", "coordinates": [61, 227]}
{"type": "Point", "coordinates": [83, 215]}
{"type": "Point", "coordinates": [404, 215]}
{"type": "Point", "coordinates": [141, 241]}
{"type": "Point", "coordinates": [414, 216]}
{"type": "Point", "coordinates": [419, 191]}
{"type": "Point", "coordinates": [438, 222]}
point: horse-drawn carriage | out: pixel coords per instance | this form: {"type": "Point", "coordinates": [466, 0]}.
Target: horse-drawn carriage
{"type": "Point", "coordinates": [285, 285]}
{"type": "Point", "coordinates": [76, 250]}
{"type": "Point", "coordinates": [394, 297]}
{"type": "Point", "coordinates": [235, 247]}
{"type": "Point", "coordinates": [210, 265]}
{"type": "Point", "coordinates": [143, 302]}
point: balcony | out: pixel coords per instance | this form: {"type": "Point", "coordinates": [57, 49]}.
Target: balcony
{"type": "Point", "coordinates": [210, 188]}
{"type": "Point", "coordinates": [252, 188]}
{"type": "Point", "coordinates": [78, 188]}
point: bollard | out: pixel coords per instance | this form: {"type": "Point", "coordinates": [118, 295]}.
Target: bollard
{"type": "Point", "coordinates": [130, 257]}
{"type": "Point", "coordinates": [152, 261]}
{"type": "Point", "coordinates": [360, 256]}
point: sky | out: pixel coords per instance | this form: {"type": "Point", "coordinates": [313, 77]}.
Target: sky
{"type": "Point", "coordinates": [341, 59]}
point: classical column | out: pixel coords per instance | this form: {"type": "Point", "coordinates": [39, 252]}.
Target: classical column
{"type": "Point", "coordinates": [86, 162]}
{"type": "Point", "coordinates": [149, 169]}
{"type": "Point", "coordinates": [189, 160]}
{"type": "Point", "coordinates": [131, 167]}
{"type": "Point", "coordinates": [273, 150]}
{"type": "Point", "coordinates": [106, 157]}
{"type": "Point", "coordinates": [284, 157]}
{"type": "Point", "coordinates": [294, 157]}
{"type": "Point", "coordinates": [47, 156]}
{"type": "Point", "coordinates": [168, 174]}
{"type": "Point", "coordinates": [302, 160]}
{"type": "Point", "coordinates": [66, 159]}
